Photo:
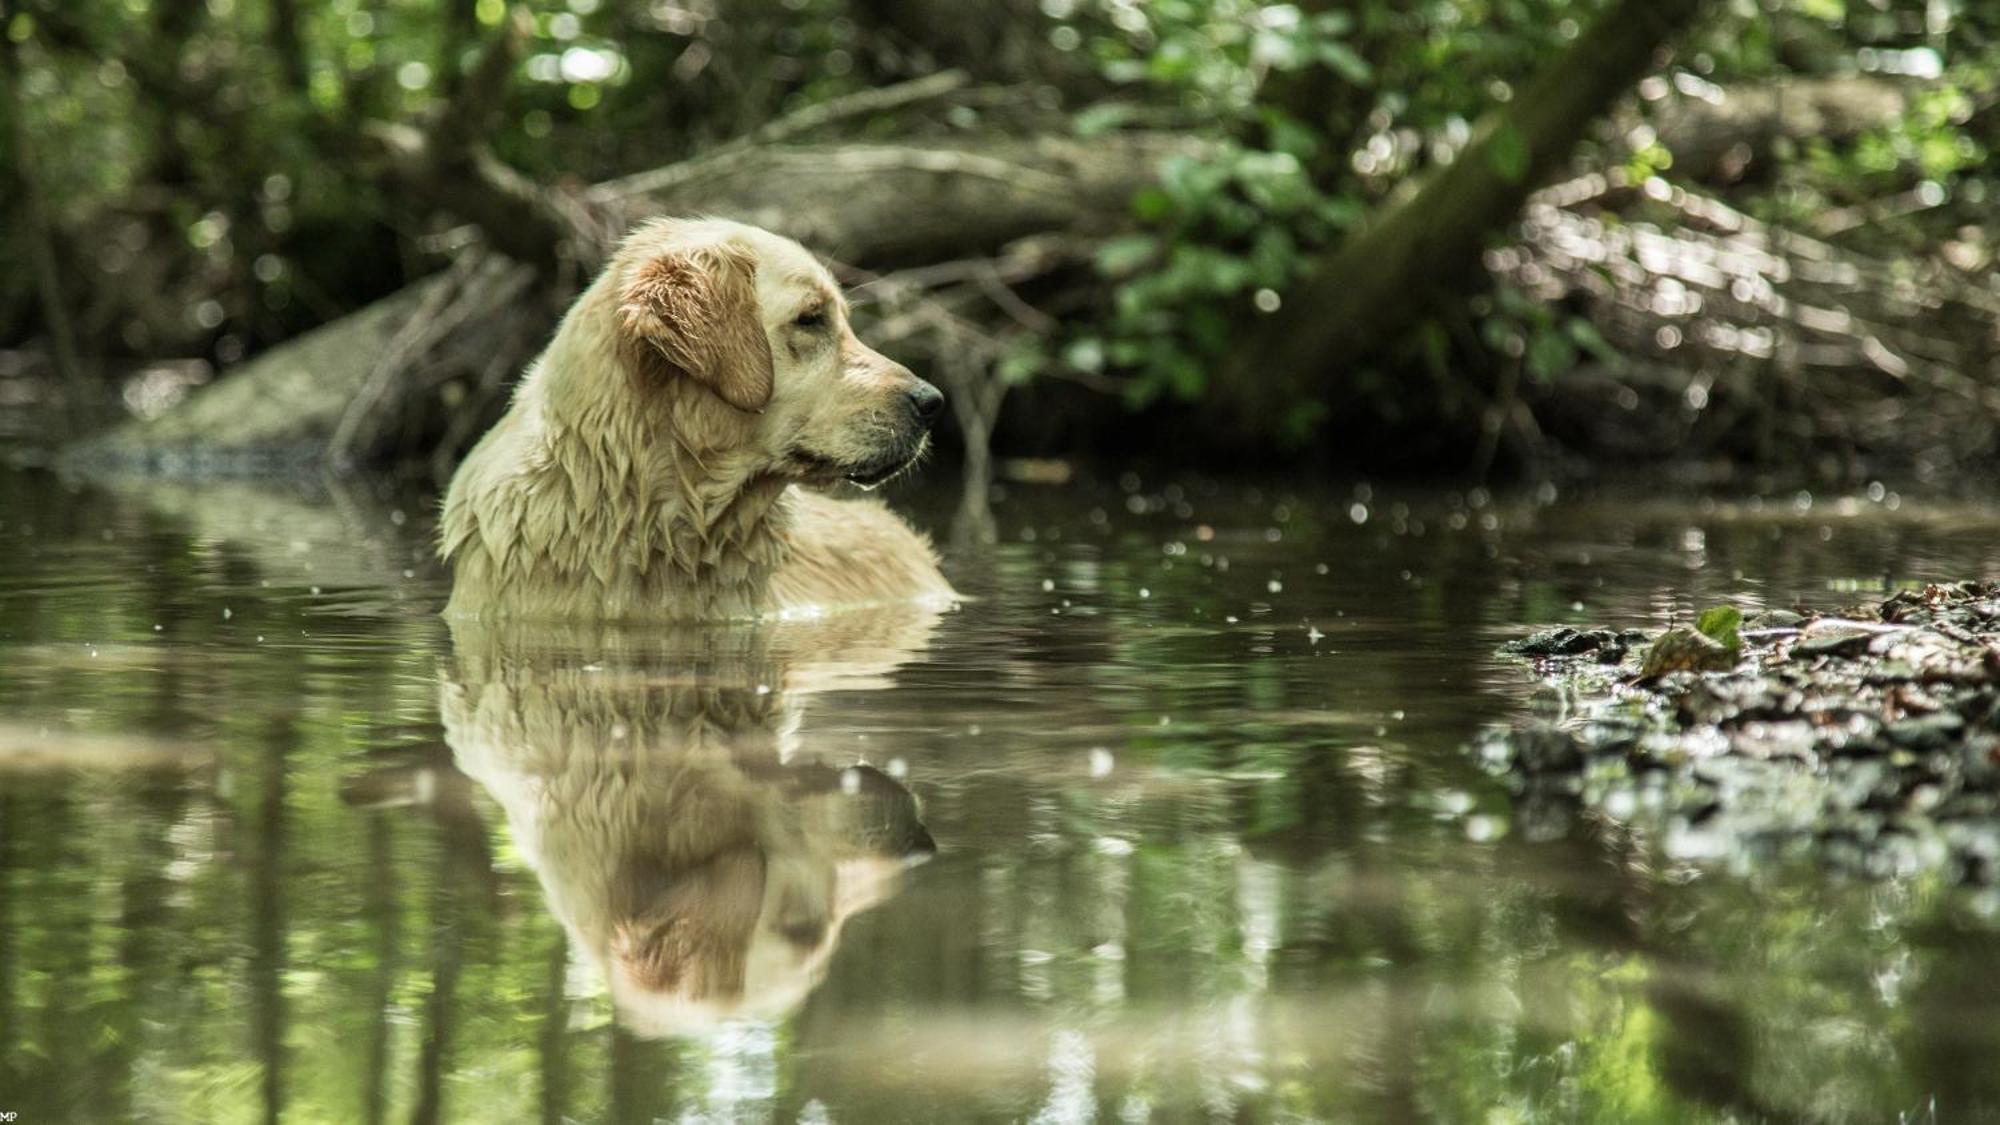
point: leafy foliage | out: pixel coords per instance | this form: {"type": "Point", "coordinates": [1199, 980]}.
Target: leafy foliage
{"type": "Point", "coordinates": [209, 195]}
{"type": "Point", "coordinates": [1329, 111]}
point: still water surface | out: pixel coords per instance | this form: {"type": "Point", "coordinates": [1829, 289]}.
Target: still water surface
{"type": "Point", "coordinates": [1172, 821]}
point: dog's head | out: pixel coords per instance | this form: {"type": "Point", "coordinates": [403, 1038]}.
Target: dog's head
{"type": "Point", "coordinates": [748, 931]}
{"type": "Point", "coordinates": [753, 321]}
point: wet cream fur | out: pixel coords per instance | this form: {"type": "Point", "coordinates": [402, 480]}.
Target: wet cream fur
{"type": "Point", "coordinates": [666, 455]}
{"type": "Point", "coordinates": [696, 846]}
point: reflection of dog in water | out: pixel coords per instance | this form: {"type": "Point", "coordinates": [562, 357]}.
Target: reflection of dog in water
{"type": "Point", "coordinates": [652, 780]}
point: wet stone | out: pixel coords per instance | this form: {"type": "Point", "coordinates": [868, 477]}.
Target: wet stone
{"type": "Point", "coordinates": [1868, 739]}
{"type": "Point", "coordinates": [1544, 748]}
{"type": "Point", "coordinates": [1608, 645]}
{"type": "Point", "coordinates": [1771, 619]}
{"type": "Point", "coordinates": [1835, 640]}
{"type": "Point", "coordinates": [1925, 732]}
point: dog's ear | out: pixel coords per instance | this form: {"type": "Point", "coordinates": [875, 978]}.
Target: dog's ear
{"type": "Point", "coordinates": [694, 312]}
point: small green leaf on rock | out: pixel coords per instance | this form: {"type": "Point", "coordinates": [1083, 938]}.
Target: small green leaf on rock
{"type": "Point", "coordinates": [1721, 624]}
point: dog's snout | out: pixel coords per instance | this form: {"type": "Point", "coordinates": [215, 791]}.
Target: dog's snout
{"type": "Point", "coordinates": [926, 401]}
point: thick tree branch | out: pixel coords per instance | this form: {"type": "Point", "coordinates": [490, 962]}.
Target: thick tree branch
{"type": "Point", "coordinates": [288, 43]}
{"type": "Point", "coordinates": [448, 166]}
{"type": "Point", "coordinates": [1371, 287]}
{"type": "Point", "coordinates": [475, 102]}
{"type": "Point", "coordinates": [461, 30]}
{"type": "Point", "coordinates": [38, 224]}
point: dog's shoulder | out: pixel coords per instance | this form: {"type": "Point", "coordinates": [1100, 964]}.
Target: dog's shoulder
{"type": "Point", "coordinates": [855, 551]}
{"type": "Point", "coordinates": [859, 530]}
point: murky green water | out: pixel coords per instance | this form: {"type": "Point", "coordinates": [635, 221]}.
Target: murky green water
{"type": "Point", "coordinates": [275, 842]}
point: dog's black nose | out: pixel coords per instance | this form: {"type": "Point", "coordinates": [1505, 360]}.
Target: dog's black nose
{"type": "Point", "coordinates": [927, 401]}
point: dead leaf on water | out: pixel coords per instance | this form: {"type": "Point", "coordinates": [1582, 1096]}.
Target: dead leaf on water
{"type": "Point", "coordinates": [1682, 649]}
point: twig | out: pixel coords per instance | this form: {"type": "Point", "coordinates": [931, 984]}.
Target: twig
{"type": "Point", "coordinates": [859, 104]}
{"type": "Point", "coordinates": [462, 294]}
{"type": "Point", "coordinates": [1010, 302]}
{"type": "Point", "coordinates": [417, 333]}
{"type": "Point", "coordinates": [1018, 262]}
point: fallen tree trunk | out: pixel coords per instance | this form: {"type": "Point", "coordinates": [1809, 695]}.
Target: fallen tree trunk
{"type": "Point", "coordinates": [1376, 283]}
{"type": "Point", "coordinates": [425, 369]}
{"type": "Point", "coordinates": [895, 205]}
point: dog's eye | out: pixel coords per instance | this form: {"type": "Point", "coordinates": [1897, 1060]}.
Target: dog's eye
{"type": "Point", "coordinates": [815, 318]}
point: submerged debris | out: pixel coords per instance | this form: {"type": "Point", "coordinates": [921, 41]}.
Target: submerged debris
{"type": "Point", "coordinates": [1608, 645]}
{"type": "Point", "coordinates": [1868, 739]}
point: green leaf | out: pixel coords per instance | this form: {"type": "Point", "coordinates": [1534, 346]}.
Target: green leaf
{"type": "Point", "coordinates": [1126, 254]}
{"type": "Point", "coordinates": [1273, 253]}
{"type": "Point", "coordinates": [1507, 149]}
{"type": "Point", "coordinates": [1722, 624]}
{"type": "Point", "coordinates": [1195, 182]}
{"type": "Point", "coordinates": [1436, 343]}
{"type": "Point", "coordinates": [1279, 52]}
{"type": "Point", "coordinates": [1332, 25]}
{"type": "Point", "coordinates": [1549, 354]}
{"type": "Point", "coordinates": [1587, 337]}
{"type": "Point", "coordinates": [1021, 363]}
{"type": "Point", "coordinates": [1341, 59]}
{"type": "Point", "coordinates": [1151, 205]}
{"type": "Point", "coordinates": [1102, 118]}
{"type": "Point", "coordinates": [1300, 422]}
{"type": "Point", "coordinates": [1288, 134]}
{"type": "Point", "coordinates": [1085, 354]}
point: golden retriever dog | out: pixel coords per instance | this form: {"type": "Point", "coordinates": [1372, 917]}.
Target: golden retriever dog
{"type": "Point", "coordinates": [667, 455]}
{"type": "Point", "coordinates": [658, 783]}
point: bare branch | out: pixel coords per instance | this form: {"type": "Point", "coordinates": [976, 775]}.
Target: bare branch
{"type": "Point", "coordinates": [860, 104]}
{"type": "Point", "coordinates": [477, 284]}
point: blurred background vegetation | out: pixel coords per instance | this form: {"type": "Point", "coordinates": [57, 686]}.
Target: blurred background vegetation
{"type": "Point", "coordinates": [1449, 236]}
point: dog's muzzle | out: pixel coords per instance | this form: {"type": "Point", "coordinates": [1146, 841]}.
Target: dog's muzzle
{"type": "Point", "coordinates": [922, 404]}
